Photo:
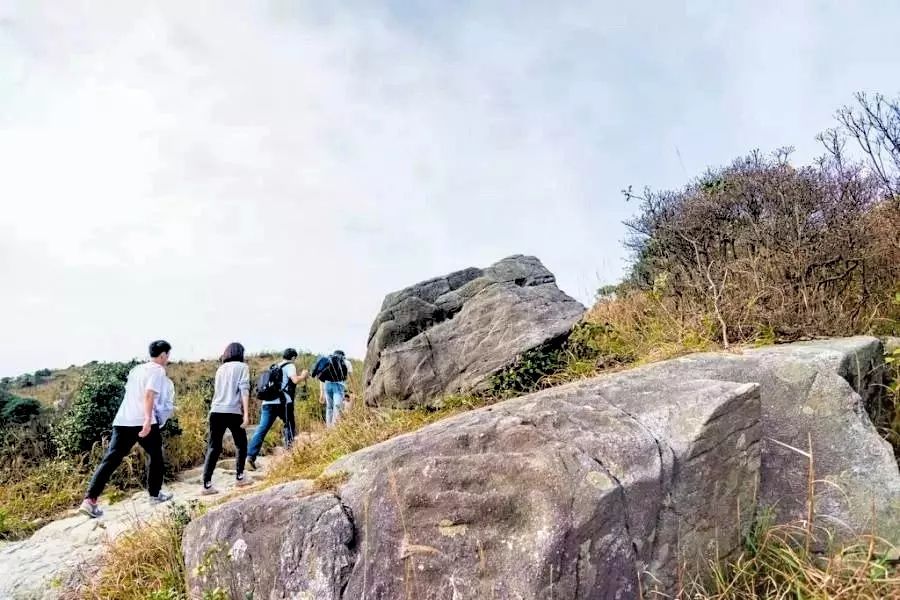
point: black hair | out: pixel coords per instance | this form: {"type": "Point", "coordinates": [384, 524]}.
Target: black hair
{"type": "Point", "coordinates": [339, 353]}
{"type": "Point", "coordinates": [159, 347]}
{"type": "Point", "coordinates": [289, 354]}
{"type": "Point", "coordinates": [234, 352]}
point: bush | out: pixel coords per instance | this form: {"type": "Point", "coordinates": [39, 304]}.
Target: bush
{"type": "Point", "coordinates": [15, 410]}
{"type": "Point", "coordinates": [90, 418]}
{"type": "Point", "coordinates": [19, 411]}
{"type": "Point", "coordinates": [528, 371]}
{"type": "Point", "coordinates": [765, 249]}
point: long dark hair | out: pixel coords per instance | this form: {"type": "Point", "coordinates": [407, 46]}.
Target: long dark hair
{"type": "Point", "coordinates": [233, 353]}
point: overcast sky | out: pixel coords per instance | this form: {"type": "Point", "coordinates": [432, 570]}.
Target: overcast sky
{"type": "Point", "coordinates": [267, 171]}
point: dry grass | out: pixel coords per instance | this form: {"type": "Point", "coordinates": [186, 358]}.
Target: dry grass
{"type": "Point", "coordinates": [645, 326]}
{"type": "Point", "coordinates": [145, 563]}
{"type": "Point", "coordinates": [359, 428]}
{"type": "Point", "coordinates": [776, 564]}
{"type": "Point", "coordinates": [27, 502]}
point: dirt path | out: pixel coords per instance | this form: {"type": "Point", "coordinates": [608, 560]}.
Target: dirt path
{"type": "Point", "coordinates": [36, 567]}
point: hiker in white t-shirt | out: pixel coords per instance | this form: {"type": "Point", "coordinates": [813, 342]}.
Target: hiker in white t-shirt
{"type": "Point", "coordinates": [229, 410]}
{"type": "Point", "coordinates": [137, 422]}
{"type": "Point", "coordinates": [280, 408]}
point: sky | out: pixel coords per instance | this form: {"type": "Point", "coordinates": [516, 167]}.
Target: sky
{"type": "Point", "coordinates": [266, 172]}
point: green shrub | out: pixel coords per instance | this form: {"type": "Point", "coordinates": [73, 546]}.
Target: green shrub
{"type": "Point", "coordinates": [17, 411]}
{"type": "Point", "coordinates": [93, 409]}
{"type": "Point", "coordinates": [529, 369]}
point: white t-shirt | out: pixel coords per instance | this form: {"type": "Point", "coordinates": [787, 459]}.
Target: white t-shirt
{"type": "Point", "coordinates": [288, 370]}
{"type": "Point", "coordinates": [143, 377]}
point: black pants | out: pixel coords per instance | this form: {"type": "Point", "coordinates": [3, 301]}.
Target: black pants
{"type": "Point", "coordinates": [123, 439]}
{"type": "Point", "coordinates": [218, 423]}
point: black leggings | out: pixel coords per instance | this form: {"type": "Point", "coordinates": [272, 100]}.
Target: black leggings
{"type": "Point", "coordinates": [218, 423]}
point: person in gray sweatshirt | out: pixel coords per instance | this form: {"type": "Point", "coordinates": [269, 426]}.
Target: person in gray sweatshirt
{"type": "Point", "coordinates": [229, 410]}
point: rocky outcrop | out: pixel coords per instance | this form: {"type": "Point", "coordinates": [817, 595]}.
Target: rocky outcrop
{"type": "Point", "coordinates": [604, 488]}
{"type": "Point", "coordinates": [814, 392]}
{"type": "Point", "coordinates": [576, 492]}
{"type": "Point", "coordinates": [450, 334]}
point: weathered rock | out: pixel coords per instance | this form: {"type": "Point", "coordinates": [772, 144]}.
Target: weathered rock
{"type": "Point", "coordinates": [814, 391]}
{"type": "Point", "coordinates": [450, 334]}
{"type": "Point", "coordinates": [578, 492]}
{"type": "Point", "coordinates": [600, 489]}
{"type": "Point", "coordinates": [283, 552]}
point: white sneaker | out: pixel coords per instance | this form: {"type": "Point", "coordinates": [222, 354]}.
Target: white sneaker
{"type": "Point", "coordinates": [161, 497]}
{"type": "Point", "coordinates": [243, 481]}
{"type": "Point", "coordinates": [90, 509]}
{"type": "Point", "coordinates": [208, 491]}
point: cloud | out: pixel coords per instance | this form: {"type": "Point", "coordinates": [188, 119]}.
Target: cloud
{"type": "Point", "coordinates": [163, 161]}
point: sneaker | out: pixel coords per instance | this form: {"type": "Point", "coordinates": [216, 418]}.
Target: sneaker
{"type": "Point", "coordinates": [161, 497]}
{"type": "Point", "coordinates": [90, 509]}
{"type": "Point", "coordinates": [251, 462]}
{"type": "Point", "coordinates": [241, 481]}
{"type": "Point", "coordinates": [208, 490]}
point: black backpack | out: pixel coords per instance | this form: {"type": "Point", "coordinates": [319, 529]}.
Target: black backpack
{"type": "Point", "coordinates": [331, 368]}
{"type": "Point", "coordinates": [269, 386]}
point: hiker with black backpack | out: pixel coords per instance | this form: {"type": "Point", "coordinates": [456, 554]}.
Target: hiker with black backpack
{"type": "Point", "coordinates": [333, 371]}
{"type": "Point", "coordinates": [276, 388]}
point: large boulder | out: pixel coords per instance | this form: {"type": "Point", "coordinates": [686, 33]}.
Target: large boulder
{"type": "Point", "coordinates": [612, 487]}
{"type": "Point", "coordinates": [450, 334]}
{"type": "Point", "coordinates": [577, 492]}
{"type": "Point", "coordinates": [815, 392]}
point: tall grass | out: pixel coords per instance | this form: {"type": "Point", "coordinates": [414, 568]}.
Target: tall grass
{"type": "Point", "coordinates": [27, 502]}
{"type": "Point", "coordinates": [776, 563]}
{"type": "Point", "coordinates": [360, 427]}
{"type": "Point", "coordinates": [144, 563]}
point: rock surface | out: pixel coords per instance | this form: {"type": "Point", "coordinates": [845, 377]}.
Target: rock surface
{"type": "Point", "coordinates": [450, 334]}
{"type": "Point", "coordinates": [584, 491]}
{"type": "Point", "coordinates": [36, 567]}
{"type": "Point", "coordinates": [599, 489]}
{"type": "Point", "coordinates": [814, 391]}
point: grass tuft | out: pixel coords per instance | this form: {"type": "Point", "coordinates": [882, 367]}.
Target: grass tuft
{"type": "Point", "coordinates": [143, 563]}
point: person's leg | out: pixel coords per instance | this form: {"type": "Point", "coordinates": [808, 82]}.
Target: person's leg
{"type": "Point", "coordinates": [335, 399]}
{"type": "Point", "coordinates": [152, 445]}
{"type": "Point", "coordinates": [239, 435]}
{"type": "Point", "coordinates": [338, 402]}
{"type": "Point", "coordinates": [123, 439]}
{"type": "Point", "coordinates": [266, 419]}
{"type": "Point", "coordinates": [329, 406]}
{"type": "Point", "coordinates": [290, 425]}
{"type": "Point", "coordinates": [217, 424]}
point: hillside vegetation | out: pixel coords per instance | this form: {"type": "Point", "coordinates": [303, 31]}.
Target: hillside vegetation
{"type": "Point", "coordinates": [58, 428]}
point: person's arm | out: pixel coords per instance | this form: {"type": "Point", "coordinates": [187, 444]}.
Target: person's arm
{"type": "Point", "coordinates": [149, 397]}
{"type": "Point", "coordinates": [155, 387]}
{"type": "Point", "coordinates": [298, 378]}
{"type": "Point", "coordinates": [244, 387]}
{"type": "Point", "coordinates": [245, 401]}
{"type": "Point", "coordinates": [321, 392]}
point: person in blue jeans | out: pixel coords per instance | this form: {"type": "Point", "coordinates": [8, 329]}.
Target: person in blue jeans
{"type": "Point", "coordinates": [278, 409]}
{"type": "Point", "coordinates": [332, 371]}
